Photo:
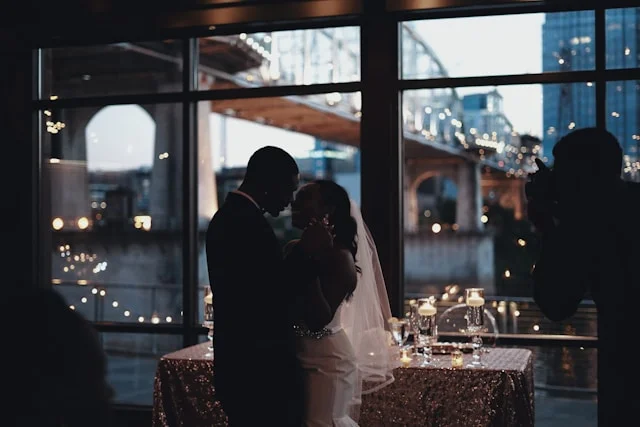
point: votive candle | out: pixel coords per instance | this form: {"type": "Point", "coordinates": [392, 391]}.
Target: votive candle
{"type": "Point", "coordinates": [456, 359]}
{"type": "Point", "coordinates": [405, 359]}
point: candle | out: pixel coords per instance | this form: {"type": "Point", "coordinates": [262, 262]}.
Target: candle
{"type": "Point", "coordinates": [475, 300]}
{"type": "Point", "coordinates": [456, 359]}
{"type": "Point", "coordinates": [208, 299]}
{"type": "Point", "coordinates": [405, 359]}
{"type": "Point", "coordinates": [426, 309]}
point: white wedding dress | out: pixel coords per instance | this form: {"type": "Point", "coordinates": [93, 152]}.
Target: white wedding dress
{"type": "Point", "coordinates": [331, 376]}
{"type": "Point", "coordinates": [350, 357]}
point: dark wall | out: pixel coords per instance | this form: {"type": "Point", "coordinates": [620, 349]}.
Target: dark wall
{"type": "Point", "coordinates": [18, 211]}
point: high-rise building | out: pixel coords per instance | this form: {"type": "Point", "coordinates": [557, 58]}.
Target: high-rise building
{"type": "Point", "coordinates": [568, 44]}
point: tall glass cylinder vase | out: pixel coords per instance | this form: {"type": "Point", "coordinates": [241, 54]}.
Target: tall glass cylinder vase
{"type": "Point", "coordinates": [414, 324]}
{"type": "Point", "coordinates": [208, 319]}
{"type": "Point", "coordinates": [475, 323]}
{"type": "Point", "coordinates": [428, 328]}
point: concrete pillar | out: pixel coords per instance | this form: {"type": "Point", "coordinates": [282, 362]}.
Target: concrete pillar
{"type": "Point", "coordinates": [410, 202]}
{"type": "Point", "coordinates": [166, 174]}
{"type": "Point", "coordinates": [469, 202]}
{"type": "Point", "coordinates": [207, 192]}
{"type": "Point", "coordinates": [67, 185]}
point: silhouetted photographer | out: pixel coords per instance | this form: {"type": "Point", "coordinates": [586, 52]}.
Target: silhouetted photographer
{"type": "Point", "coordinates": [588, 220]}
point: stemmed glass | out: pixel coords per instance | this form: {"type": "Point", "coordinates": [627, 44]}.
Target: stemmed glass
{"type": "Point", "coordinates": [399, 331]}
{"type": "Point", "coordinates": [428, 330]}
{"type": "Point", "coordinates": [208, 319]}
{"type": "Point", "coordinates": [475, 323]}
{"type": "Point", "coordinates": [414, 324]}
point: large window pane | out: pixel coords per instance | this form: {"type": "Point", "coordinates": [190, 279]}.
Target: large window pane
{"type": "Point", "coordinates": [465, 222]}
{"type": "Point", "coordinates": [498, 45]}
{"type": "Point", "coordinates": [322, 132]}
{"type": "Point", "coordinates": [131, 363]}
{"type": "Point", "coordinates": [298, 57]}
{"type": "Point", "coordinates": [623, 37]}
{"type": "Point", "coordinates": [114, 69]}
{"type": "Point", "coordinates": [623, 120]}
{"type": "Point", "coordinates": [114, 201]}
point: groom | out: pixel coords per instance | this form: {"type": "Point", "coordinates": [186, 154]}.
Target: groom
{"type": "Point", "coordinates": [253, 338]}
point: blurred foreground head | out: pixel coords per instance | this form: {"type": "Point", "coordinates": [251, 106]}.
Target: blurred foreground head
{"type": "Point", "coordinates": [55, 371]}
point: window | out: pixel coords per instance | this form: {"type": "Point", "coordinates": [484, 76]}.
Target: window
{"type": "Point", "coordinates": [296, 57]}
{"type": "Point", "coordinates": [114, 175]}
{"type": "Point", "coordinates": [322, 133]}
{"type": "Point", "coordinates": [115, 200]}
{"type": "Point", "coordinates": [470, 135]}
{"type": "Point", "coordinates": [480, 98]}
{"type": "Point", "coordinates": [498, 45]}
{"type": "Point", "coordinates": [622, 26]}
{"type": "Point", "coordinates": [114, 69]}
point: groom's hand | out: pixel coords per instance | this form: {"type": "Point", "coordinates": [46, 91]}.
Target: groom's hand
{"type": "Point", "coordinates": [315, 239]}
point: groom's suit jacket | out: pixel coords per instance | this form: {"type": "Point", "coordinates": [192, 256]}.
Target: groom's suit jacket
{"type": "Point", "coordinates": [254, 344]}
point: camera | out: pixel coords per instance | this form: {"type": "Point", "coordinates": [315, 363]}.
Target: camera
{"type": "Point", "coordinates": [541, 186]}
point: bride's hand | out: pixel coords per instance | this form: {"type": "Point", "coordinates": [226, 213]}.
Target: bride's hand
{"type": "Point", "coordinates": [317, 237]}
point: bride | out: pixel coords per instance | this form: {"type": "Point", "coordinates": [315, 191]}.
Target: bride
{"type": "Point", "coordinates": [342, 314]}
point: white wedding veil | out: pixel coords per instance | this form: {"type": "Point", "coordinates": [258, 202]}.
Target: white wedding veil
{"type": "Point", "coordinates": [365, 316]}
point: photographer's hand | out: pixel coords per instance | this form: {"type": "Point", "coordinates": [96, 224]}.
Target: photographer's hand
{"type": "Point", "coordinates": [540, 202]}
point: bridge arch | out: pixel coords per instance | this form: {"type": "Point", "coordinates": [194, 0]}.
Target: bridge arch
{"type": "Point", "coordinates": [131, 132]}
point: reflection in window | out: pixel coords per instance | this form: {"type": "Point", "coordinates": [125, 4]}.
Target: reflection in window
{"type": "Point", "coordinates": [298, 57]}
{"type": "Point", "coordinates": [322, 133]}
{"type": "Point", "coordinates": [115, 210]}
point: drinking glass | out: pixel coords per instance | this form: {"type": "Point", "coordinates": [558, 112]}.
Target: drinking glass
{"type": "Point", "coordinates": [399, 331]}
{"type": "Point", "coordinates": [426, 309]}
{"type": "Point", "coordinates": [208, 319]}
{"type": "Point", "coordinates": [475, 323]}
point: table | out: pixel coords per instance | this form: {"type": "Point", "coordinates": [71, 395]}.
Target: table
{"type": "Point", "coordinates": [500, 394]}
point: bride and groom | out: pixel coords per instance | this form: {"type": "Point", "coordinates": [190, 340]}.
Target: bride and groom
{"type": "Point", "coordinates": [299, 336]}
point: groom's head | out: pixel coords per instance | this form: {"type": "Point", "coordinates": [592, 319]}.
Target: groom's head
{"type": "Point", "coordinates": [271, 178]}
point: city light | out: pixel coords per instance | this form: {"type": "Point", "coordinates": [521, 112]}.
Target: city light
{"type": "Point", "coordinates": [57, 224]}
{"type": "Point", "coordinates": [83, 223]}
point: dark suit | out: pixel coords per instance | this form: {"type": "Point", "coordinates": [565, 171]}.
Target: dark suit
{"type": "Point", "coordinates": [595, 255]}
{"type": "Point", "coordinates": [257, 376]}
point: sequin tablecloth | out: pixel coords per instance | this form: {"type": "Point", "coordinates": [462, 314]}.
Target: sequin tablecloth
{"type": "Point", "coordinates": [500, 394]}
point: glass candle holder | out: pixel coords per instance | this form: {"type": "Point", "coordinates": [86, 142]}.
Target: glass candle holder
{"type": "Point", "coordinates": [428, 330]}
{"type": "Point", "coordinates": [475, 323]}
{"type": "Point", "coordinates": [456, 359]}
{"type": "Point", "coordinates": [208, 318]}
{"type": "Point", "coordinates": [405, 359]}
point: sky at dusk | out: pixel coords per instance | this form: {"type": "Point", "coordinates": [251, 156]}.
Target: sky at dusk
{"type": "Point", "coordinates": [466, 47]}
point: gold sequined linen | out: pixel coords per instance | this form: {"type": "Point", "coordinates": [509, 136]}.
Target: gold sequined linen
{"type": "Point", "coordinates": [500, 394]}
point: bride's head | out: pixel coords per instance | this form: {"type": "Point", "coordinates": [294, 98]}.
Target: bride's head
{"type": "Point", "coordinates": [326, 199]}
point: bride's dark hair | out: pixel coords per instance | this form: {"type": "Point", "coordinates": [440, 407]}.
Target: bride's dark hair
{"type": "Point", "coordinates": [344, 225]}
